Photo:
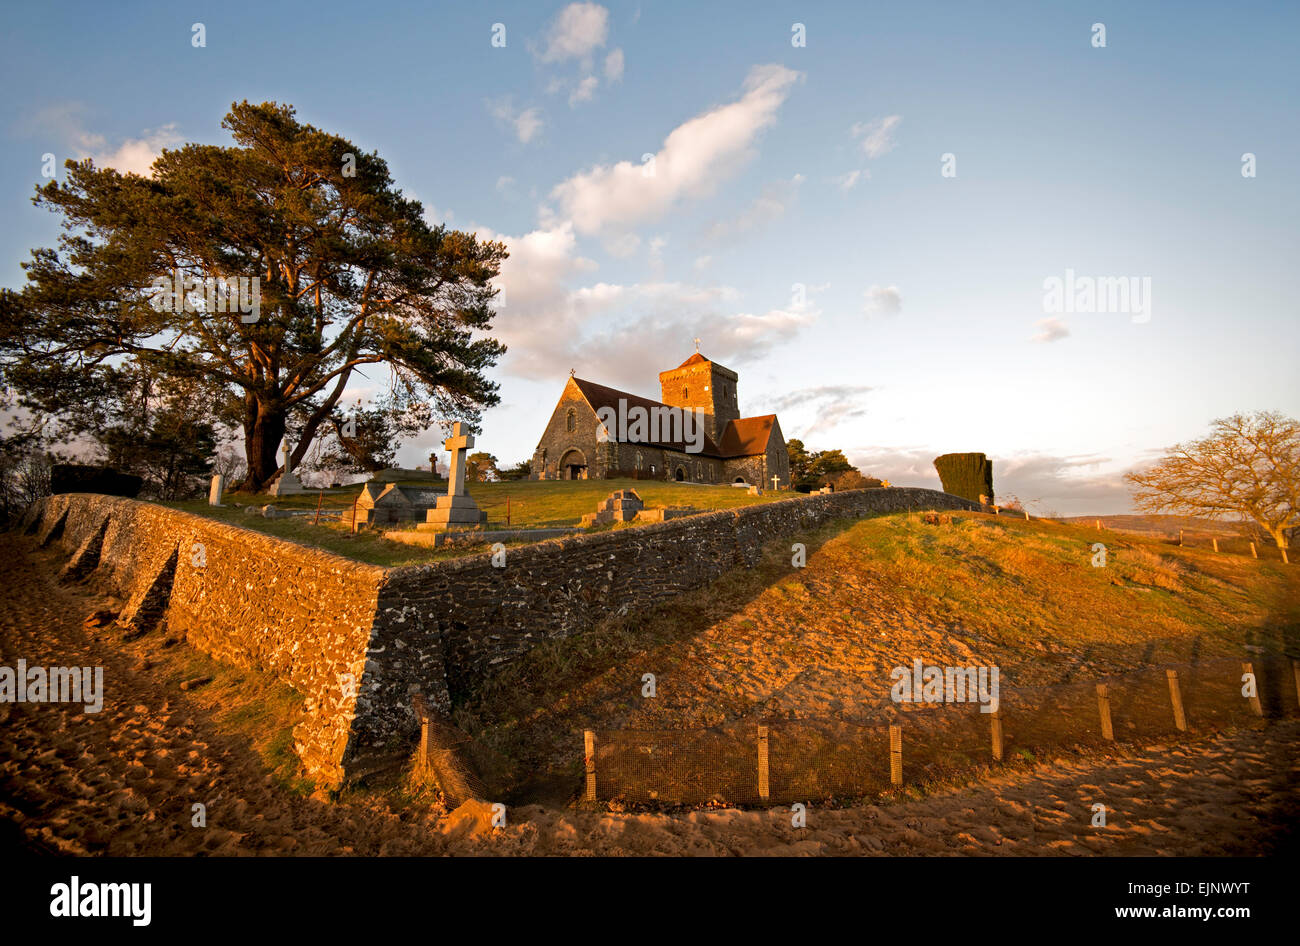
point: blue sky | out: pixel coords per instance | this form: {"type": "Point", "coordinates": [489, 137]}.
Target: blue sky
{"type": "Point", "coordinates": [797, 221]}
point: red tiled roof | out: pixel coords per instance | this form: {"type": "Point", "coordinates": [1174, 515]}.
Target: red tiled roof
{"type": "Point", "coordinates": [748, 436]}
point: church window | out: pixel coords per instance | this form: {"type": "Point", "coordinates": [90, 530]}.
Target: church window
{"type": "Point", "coordinates": [571, 422]}
{"type": "Point", "coordinates": [639, 459]}
{"type": "Point", "coordinates": [686, 393]}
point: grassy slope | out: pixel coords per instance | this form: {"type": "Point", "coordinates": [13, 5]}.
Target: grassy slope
{"type": "Point", "coordinates": [875, 594]}
{"type": "Point", "coordinates": [533, 504]}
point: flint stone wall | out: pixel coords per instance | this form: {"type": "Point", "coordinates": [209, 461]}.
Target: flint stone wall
{"type": "Point", "coordinates": [482, 616]}
{"type": "Point", "coordinates": [319, 622]}
{"type": "Point", "coordinates": [301, 615]}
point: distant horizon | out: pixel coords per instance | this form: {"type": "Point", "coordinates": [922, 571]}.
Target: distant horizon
{"type": "Point", "coordinates": [922, 230]}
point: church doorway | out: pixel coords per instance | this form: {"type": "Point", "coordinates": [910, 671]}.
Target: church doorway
{"type": "Point", "coordinates": [739, 481]}
{"type": "Point", "coordinates": [573, 465]}
{"type": "Point", "coordinates": [680, 475]}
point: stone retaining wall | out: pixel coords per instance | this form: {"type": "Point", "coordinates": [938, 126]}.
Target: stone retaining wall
{"type": "Point", "coordinates": [298, 614]}
{"type": "Point", "coordinates": [358, 640]}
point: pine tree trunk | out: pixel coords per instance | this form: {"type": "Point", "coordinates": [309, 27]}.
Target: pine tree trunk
{"type": "Point", "coordinates": [263, 431]}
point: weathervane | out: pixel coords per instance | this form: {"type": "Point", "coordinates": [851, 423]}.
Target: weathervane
{"type": "Point", "coordinates": [573, 372]}
{"type": "Point", "coordinates": [697, 344]}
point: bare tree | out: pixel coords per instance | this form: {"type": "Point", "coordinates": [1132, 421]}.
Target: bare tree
{"type": "Point", "coordinates": [1247, 468]}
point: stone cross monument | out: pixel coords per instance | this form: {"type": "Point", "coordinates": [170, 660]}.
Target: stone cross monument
{"type": "Point", "coordinates": [458, 444]}
{"type": "Point", "coordinates": [286, 484]}
{"type": "Point", "coordinates": [456, 510]}
{"type": "Point", "coordinates": [216, 489]}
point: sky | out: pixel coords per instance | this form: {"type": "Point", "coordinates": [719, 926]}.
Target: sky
{"type": "Point", "coordinates": [860, 208]}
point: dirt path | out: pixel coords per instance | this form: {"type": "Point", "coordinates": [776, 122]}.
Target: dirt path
{"type": "Point", "coordinates": [122, 781]}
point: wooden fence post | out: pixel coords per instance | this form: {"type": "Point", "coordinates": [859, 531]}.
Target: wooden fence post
{"type": "Point", "coordinates": [896, 754]}
{"type": "Point", "coordinates": [1176, 697]}
{"type": "Point", "coordinates": [1255, 707]}
{"type": "Point", "coordinates": [589, 747]}
{"type": "Point", "coordinates": [997, 733]}
{"type": "Point", "coordinates": [1216, 544]}
{"type": "Point", "coordinates": [1253, 553]}
{"type": "Point", "coordinates": [1103, 707]}
{"type": "Point", "coordinates": [763, 788]}
{"type": "Point", "coordinates": [422, 714]}
{"type": "Point", "coordinates": [1180, 538]}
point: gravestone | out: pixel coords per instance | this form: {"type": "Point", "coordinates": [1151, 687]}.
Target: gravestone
{"type": "Point", "coordinates": [286, 484]}
{"type": "Point", "coordinates": [456, 510]}
{"type": "Point", "coordinates": [380, 504]}
{"type": "Point", "coordinates": [620, 506]}
{"type": "Point", "coordinates": [216, 489]}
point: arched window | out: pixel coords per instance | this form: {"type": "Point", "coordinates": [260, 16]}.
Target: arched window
{"type": "Point", "coordinates": [639, 460]}
{"type": "Point", "coordinates": [571, 421]}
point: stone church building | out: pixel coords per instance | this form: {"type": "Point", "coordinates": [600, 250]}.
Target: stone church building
{"type": "Point", "coordinates": [733, 449]}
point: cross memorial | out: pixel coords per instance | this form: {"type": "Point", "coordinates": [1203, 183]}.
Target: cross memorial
{"type": "Point", "coordinates": [776, 481]}
{"type": "Point", "coordinates": [286, 484]}
{"type": "Point", "coordinates": [457, 509]}
{"type": "Point", "coordinates": [457, 445]}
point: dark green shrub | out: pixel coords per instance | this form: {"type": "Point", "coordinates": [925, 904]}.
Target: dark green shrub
{"type": "Point", "coordinates": [968, 475]}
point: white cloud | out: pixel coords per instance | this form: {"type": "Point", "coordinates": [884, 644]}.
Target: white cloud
{"type": "Point", "coordinates": [695, 157]}
{"type": "Point", "coordinates": [605, 329]}
{"type": "Point", "coordinates": [882, 300]}
{"type": "Point", "coordinates": [578, 30]}
{"type": "Point", "coordinates": [623, 246]}
{"type": "Point", "coordinates": [525, 125]}
{"type": "Point", "coordinates": [583, 91]}
{"type": "Point", "coordinates": [655, 258]}
{"type": "Point", "coordinates": [702, 263]}
{"type": "Point", "coordinates": [826, 407]}
{"type": "Point", "coordinates": [505, 183]}
{"type": "Point", "coordinates": [877, 136]}
{"type": "Point", "coordinates": [66, 122]}
{"type": "Point", "coordinates": [1051, 330]}
{"type": "Point", "coordinates": [849, 181]}
{"type": "Point", "coordinates": [614, 66]}
{"type": "Point", "coordinates": [766, 208]}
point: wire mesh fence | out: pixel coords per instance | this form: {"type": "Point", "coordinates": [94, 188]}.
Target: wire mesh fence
{"type": "Point", "coordinates": [758, 761]}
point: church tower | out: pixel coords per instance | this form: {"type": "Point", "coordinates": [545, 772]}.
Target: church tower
{"type": "Point", "coordinates": [702, 385]}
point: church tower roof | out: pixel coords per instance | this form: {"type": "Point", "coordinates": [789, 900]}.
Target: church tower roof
{"type": "Point", "coordinates": [695, 359]}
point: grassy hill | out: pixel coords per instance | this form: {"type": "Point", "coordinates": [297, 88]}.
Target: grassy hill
{"type": "Point", "coordinates": [962, 589]}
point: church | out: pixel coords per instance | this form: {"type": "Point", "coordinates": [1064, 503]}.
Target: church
{"type": "Point", "coordinates": [580, 442]}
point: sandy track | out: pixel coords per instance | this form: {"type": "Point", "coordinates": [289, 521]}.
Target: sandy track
{"type": "Point", "coordinates": [122, 782]}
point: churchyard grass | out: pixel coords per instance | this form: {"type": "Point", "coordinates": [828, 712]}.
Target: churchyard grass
{"type": "Point", "coordinates": [533, 504]}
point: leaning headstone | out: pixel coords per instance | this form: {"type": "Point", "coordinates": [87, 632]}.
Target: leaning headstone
{"type": "Point", "coordinates": [216, 489]}
{"type": "Point", "coordinates": [456, 510]}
